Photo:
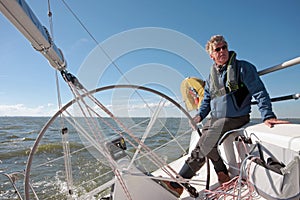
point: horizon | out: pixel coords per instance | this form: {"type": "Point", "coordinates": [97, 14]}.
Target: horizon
{"type": "Point", "coordinates": [255, 118]}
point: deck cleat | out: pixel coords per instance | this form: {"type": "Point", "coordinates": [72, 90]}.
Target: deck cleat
{"type": "Point", "coordinates": [192, 191]}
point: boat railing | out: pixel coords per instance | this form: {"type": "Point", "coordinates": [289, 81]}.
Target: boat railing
{"type": "Point", "coordinates": [15, 179]}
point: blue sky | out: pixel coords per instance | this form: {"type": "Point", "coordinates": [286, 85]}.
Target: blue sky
{"type": "Point", "coordinates": [265, 33]}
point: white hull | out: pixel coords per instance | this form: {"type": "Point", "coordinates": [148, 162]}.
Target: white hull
{"type": "Point", "coordinates": [283, 136]}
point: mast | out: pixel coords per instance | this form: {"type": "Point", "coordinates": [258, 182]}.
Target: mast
{"type": "Point", "coordinates": [22, 17]}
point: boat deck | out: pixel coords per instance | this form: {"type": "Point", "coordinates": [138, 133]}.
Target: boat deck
{"type": "Point", "coordinates": [283, 135]}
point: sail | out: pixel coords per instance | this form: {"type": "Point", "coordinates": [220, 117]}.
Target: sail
{"type": "Point", "coordinates": [22, 17]}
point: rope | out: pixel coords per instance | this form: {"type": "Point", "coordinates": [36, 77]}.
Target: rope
{"type": "Point", "coordinates": [155, 159]}
{"type": "Point", "coordinates": [94, 39]}
{"type": "Point", "coordinates": [122, 183]}
{"type": "Point", "coordinates": [64, 131]}
{"type": "Point", "coordinates": [109, 58]}
{"type": "Point", "coordinates": [238, 187]}
{"type": "Point", "coordinates": [67, 159]}
{"type": "Point", "coordinates": [145, 135]}
{"type": "Point", "coordinates": [65, 142]}
{"type": "Point", "coordinates": [50, 20]}
{"type": "Point", "coordinates": [159, 162]}
{"type": "Point", "coordinates": [111, 162]}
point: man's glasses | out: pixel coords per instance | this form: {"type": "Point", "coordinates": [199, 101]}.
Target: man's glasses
{"type": "Point", "coordinates": [224, 47]}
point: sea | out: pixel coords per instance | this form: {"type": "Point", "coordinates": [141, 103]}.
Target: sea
{"type": "Point", "coordinates": [18, 135]}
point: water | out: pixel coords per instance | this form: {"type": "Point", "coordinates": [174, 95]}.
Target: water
{"type": "Point", "coordinates": [18, 135]}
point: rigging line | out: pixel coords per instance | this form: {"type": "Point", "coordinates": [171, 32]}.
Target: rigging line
{"type": "Point", "coordinates": [121, 134]}
{"type": "Point", "coordinates": [155, 158]}
{"type": "Point", "coordinates": [59, 101]}
{"type": "Point", "coordinates": [50, 21]}
{"type": "Point", "coordinates": [147, 154]}
{"type": "Point", "coordinates": [90, 123]}
{"type": "Point", "coordinates": [80, 22]}
{"type": "Point", "coordinates": [164, 166]}
{"type": "Point", "coordinates": [103, 151]}
{"type": "Point", "coordinates": [56, 73]}
{"type": "Point", "coordinates": [76, 93]}
{"type": "Point", "coordinates": [64, 131]}
{"type": "Point", "coordinates": [159, 161]}
{"type": "Point", "coordinates": [105, 53]}
{"type": "Point", "coordinates": [152, 155]}
{"type": "Point", "coordinates": [106, 154]}
{"type": "Point", "coordinates": [149, 127]}
{"type": "Point", "coordinates": [87, 136]}
{"type": "Point", "coordinates": [122, 183]}
{"type": "Point", "coordinates": [95, 40]}
{"type": "Point", "coordinates": [113, 166]}
{"type": "Point", "coordinates": [67, 160]}
{"type": "Point", "coordinates": [59, 158]}
{"type": "Point", "coordinates": [199, 182]}
{"type": "Point", "coordinates": [58, 90]}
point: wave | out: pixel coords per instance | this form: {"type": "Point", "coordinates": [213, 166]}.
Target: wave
{"type": "Point", "coordinates": [15, 139]}
{"type": "Point", "coordinates": [14, 154]}
{"type": "Point", "coordinates": [50, 148]}
{"type": "Point", "coordinates": [12, 127]}
{"type": "Point", "coordinates": [57, 148]}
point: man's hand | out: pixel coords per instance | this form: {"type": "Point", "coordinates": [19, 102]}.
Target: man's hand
{"type": "Point", "coordinates": [272, 121]}
{"type": "Point", "coordinates": [197, 119]}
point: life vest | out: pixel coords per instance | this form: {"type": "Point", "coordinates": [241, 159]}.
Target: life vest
{"type": "Point", "coordinates": [233, 83]}
{"type": "Point", "coordinates": [227, 91]}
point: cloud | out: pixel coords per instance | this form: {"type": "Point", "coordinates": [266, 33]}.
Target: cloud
{"type": "Point", "coordinates": [138, 108]}
{"type": "Point", "coordinates": [78, 45]}
{"type": "Point", "coordinates": [23, 110]}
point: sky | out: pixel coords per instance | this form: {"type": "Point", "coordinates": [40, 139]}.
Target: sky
{"type": "Point", "coordinates": [155, 43]}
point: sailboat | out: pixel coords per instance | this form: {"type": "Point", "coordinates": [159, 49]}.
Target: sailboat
{"type": "Point", "coordinates": [124, 154]}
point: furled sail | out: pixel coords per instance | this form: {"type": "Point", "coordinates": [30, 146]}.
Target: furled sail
{"type": "Point", "coordinates": [22, 17]}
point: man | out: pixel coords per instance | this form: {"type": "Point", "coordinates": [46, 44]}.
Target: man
{"type": "Point", "coordinates": [228, 92]}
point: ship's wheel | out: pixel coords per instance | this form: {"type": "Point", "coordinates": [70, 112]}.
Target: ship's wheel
{"type": "Point", "coordinates": [78, 149]}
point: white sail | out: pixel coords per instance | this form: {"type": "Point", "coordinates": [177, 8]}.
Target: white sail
{"type": "Point", "coordinates": [22, 17]}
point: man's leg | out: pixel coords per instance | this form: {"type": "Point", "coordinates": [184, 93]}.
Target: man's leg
{"type": "Point", "coordinates": [190, 167]}
{"type": "Point", "coordinates": [219, 166]}
{"type": "Point", "coordinates": [212, 131]}
{"type": "Point", "coordinates": [213, 155]}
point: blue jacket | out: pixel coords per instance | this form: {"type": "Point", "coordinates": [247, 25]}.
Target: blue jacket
{"type": "Point", "coordinates": [237, 103]}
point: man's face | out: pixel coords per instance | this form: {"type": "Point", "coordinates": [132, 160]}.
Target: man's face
{"type": "Point", "coordinates": [220, 54]}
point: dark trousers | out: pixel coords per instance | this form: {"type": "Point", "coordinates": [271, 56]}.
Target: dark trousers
{"type": "Point", "coordinates": [212, 131]}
